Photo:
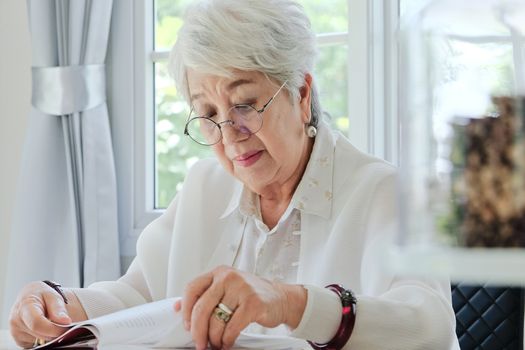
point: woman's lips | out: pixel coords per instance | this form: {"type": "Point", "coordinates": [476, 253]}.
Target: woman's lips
{"type": "Point", "coordinates": [248, 158]}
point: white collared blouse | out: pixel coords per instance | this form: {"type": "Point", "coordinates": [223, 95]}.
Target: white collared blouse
{"type": "Point", "coordinates": [340, 219]}
{"type": "Point", "coordinates": [274, 253]}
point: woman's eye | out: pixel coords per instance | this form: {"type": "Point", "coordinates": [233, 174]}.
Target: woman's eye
{"type": "Point", "coordinates": [209, 115]}
{"type": "Point", "coordinates": [243, 108]}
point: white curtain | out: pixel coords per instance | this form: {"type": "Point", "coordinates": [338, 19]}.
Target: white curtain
{"type": "Point", "coordinates": [65, 216]}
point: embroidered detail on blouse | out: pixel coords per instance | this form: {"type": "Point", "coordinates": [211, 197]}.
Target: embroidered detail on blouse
{"type": "Point", "coordinates": [274, 254]}
{"type": "Point", "coordinates": [313, 183]}
{"type": "Point", "coordinates": [288, 241]}
{"type": "Point", "coordinates": [323, 161]}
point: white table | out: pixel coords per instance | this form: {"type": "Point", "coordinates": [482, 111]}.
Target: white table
{"type": "Point", "coordinates": [6, 342]}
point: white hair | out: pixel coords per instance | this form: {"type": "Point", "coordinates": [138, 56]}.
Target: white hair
{"type": "Point", "coordinates": [273, 37]}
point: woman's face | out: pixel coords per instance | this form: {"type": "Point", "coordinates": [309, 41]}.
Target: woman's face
{"type": "Point", "coordinates": [277, 154]}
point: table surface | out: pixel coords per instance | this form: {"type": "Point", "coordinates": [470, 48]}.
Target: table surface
{"type": "Point", "coordinates": [6, 342]}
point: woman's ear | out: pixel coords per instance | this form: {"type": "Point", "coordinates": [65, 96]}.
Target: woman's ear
{"type": "Point", "coordinates": [306, 97]}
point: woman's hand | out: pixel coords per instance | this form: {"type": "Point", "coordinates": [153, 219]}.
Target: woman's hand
{"type": "Point", "coordinates": [251, 298]}
{"type": "Point", "coordinates": [37, 308]}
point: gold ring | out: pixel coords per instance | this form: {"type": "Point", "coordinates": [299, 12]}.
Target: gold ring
{"type": "Point", "coordinates": [225, 308]}
{"type": "Point", "coordinates": [38, 342]}
{"type": "Point", "coordinates": [222, 313]}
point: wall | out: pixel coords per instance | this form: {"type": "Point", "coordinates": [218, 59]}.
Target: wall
{"type": "Point", "coordinates": [15, 91]}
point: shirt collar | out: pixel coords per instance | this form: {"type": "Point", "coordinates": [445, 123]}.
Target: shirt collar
{"type": "Point", "coordinates": [235, 200]}
{"type": "Point", "coordinates": [242, 199]}
{"type": "Point", "coordinates": [315, 190]}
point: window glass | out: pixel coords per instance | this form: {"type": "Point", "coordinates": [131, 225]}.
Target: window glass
{"type": "Point", "coordinates": [168, 20]}
{"type": "Point", "coordinates": [174, 152]}
{"type": "Point", "coordinates": [327, 16]}
{"type": "Point", "coordinates": [332, 77]}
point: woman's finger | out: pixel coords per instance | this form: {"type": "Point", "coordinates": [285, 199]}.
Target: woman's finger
{"type": "Point", "coordinates": [178, 305]}
{"type": "Point", "coordinates": [215, 332]}
{"type": "Point", "coordinates": [193, 291]}
{"type": "Point", "coordinates": [201, 313]}
{"type": "Point", "coordinates": [22, 339]}
{"type": "Point", "coordinates": [21, 333]}
{"type": "Point", "coordinates": [240, 319]}
{"type": "Point", "coordinates": [216, 326]}
{"type": "Point", "coordinates": [56, 308]}
{"type": "Point", "coordinates": [33, 316]}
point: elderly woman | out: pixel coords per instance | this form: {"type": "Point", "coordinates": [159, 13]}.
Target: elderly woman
{"type": "Point", "coordinates": [287, 208]}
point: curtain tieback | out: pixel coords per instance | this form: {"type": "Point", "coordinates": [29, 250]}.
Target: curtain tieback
{"type": "Point", "coordinates": [68, 90]}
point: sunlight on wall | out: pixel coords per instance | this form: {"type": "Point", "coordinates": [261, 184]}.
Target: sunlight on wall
{"type": "Point", "coordinates": [15, 91]}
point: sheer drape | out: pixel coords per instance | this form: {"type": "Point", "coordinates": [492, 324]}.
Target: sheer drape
{"type": "Point", "coordinates": [65, 216]}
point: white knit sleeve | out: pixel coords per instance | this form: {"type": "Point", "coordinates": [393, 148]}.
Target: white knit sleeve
{"type": "Point", "coordinates": [134, 288]}
{"type": "Point", "coordinates": [102, 298]}
{"type": "Point", "coordinates": [396, 311]}
{"type": "Point", "coordinates": [321, 317]}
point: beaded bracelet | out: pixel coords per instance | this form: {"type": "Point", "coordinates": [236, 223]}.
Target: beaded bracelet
{"type": "Point", "coordinates": [346, 327]}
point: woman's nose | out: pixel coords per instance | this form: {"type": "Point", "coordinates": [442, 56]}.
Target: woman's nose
{"type": "Point", "coordinates": [231, 132]}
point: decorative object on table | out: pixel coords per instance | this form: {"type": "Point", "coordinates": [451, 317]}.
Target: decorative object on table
{"type": "Point", "coordinates": [462, 157]}
{"type": "Point", "coordinates": [488, 177]}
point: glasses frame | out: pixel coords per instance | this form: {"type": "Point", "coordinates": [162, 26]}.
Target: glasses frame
{"type": "Point", "coordinates": [229, 121]}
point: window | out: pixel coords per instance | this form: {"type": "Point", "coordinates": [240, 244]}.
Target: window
{"type": "Point", "coordinates": [468, 68]}
{"type": "Point", "coordinates": [356, 75]}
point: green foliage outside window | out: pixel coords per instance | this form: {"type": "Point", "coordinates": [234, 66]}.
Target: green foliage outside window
{"type": "Point", "coordinates": [175, 153]}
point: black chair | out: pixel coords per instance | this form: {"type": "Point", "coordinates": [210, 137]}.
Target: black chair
{"type": "Point", "coordinates": [488, 318]}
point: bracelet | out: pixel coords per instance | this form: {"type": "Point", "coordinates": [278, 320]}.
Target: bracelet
{"type": "Point", "coordinates": [346, 327]}
{"type": "Point", "coordinates": [57, 288]}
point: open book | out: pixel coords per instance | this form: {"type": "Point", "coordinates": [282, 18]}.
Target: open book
{"type": "Point", "coordinates": [154, 325]}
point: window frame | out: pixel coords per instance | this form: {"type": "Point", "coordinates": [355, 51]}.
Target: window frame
{"type": "Point", "coordinates": [372, 98]}
{"type": "Point", "coordinates": [373, 29]}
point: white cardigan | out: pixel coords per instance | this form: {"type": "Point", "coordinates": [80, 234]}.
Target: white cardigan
{"type": "Point", "coordinates": [342, 241]}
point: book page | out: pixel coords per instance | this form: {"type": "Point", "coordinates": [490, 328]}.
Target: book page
{"type": "Point", "coordinates": [153, 325]}
{"type": "Point", "coordinates": [143, 324]}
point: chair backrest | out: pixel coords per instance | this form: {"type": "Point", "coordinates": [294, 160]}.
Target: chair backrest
{"type": "Point", "coordinates": [488, 317]}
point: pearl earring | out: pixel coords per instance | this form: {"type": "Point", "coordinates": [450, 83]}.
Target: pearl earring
{"type": "Point", "coordinates": [310, 131]}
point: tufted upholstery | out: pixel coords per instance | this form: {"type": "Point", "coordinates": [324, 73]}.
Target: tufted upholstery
{"type": "Point", "coordinates": [488, 318]}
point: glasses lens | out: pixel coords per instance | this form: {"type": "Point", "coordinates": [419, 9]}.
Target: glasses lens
{"type": "Point", "coordinates": [204, 131]}
{"type": "Point", "coordinates": [246, 119]}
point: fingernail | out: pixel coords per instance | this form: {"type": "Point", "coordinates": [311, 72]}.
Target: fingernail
{"type": "Point", "coordinates": [186, 325]}
{"type": "Point", "coordinates": [64, 317]}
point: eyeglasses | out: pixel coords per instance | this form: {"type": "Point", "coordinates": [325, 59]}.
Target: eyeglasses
{"type": "Point", "coordinates": [246, 119]}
